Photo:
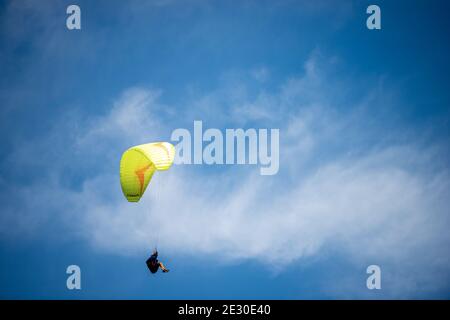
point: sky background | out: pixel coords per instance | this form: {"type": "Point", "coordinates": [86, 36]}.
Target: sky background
{"type": "Point", "coordinates": [364, 149]}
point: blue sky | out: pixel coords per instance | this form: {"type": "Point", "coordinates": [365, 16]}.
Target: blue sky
{"type": "Point", "coordinates": [364, 135]}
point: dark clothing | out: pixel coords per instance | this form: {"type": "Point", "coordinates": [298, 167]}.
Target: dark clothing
{"type": "Point", "coordinates": [153, 263]}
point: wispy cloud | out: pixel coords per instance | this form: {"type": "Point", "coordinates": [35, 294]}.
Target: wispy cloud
{"type": "Point", "coordinates": [340, 184]}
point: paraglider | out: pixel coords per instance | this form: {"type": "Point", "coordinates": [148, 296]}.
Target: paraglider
{"type": "Point", "coordinates": [139, 163]}
{"type": "Point", "coordinates": [137, 166]}
{"type": "Point", "coordinates": [153, 264]}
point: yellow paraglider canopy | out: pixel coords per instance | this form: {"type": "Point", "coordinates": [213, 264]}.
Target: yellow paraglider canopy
{"type": "Point", "coordinates": [139, 163]}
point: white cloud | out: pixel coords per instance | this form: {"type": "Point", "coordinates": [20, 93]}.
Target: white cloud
{"type": "Point", "coordinates": [385, 202]}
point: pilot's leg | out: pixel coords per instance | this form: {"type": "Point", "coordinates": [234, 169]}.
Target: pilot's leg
{"type": "Point", "coordinates": [163, 268]}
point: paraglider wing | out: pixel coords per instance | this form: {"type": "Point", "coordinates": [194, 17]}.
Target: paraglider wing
{"type": "Point", "coordinates": [139, 163]}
